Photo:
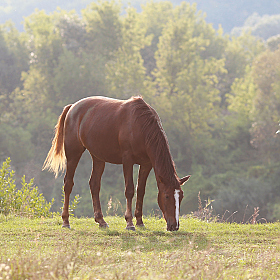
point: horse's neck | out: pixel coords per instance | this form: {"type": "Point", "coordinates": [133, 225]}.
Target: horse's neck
{"type": "Point", "coordinates": [162, 161]}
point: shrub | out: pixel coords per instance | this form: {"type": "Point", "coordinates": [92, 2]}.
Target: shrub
{"type": "Point", "coordinates": [243, 196]}
{"type": "Point", "coordinates": [26, 201]}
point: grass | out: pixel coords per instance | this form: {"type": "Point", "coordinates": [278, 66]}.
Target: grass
{"type": "Point", "coordinates": [40, 249]}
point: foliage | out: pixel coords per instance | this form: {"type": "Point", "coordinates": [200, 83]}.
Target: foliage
{"type": "Point", "coordinates": [241, 196]}
{"type": "Point", "coordinates": [217, 96]}
{"type": "Point", "coordinates": [265, 113]}
{"type": "Point", "coordinates": [228, 14]}
{"type": "Point", "coordinates": [126, 72]}
{"type": "Point", "coordinates": [26, 201]}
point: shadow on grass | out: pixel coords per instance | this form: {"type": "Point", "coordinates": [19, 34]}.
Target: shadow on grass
{"type": "Point", "coordinates": [161, 241]}
{"type": "Point", "coordinates": [149, 240]}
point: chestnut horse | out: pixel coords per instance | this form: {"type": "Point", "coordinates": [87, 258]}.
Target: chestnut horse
{"type": "Point", "coordinates": [123, 132]}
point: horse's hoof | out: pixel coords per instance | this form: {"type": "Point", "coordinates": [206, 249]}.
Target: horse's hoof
{"type": "Point", "coordinates": [66, 226]}
{"type": "Point", "coordinates": [103, 225]}
{"type": "Point", "coordinates": [131, 228]}
{"type": "Point", "coordinates": [141, 225]}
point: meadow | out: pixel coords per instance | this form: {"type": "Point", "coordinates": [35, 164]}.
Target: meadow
{"type": "Point", "coordinates": [39, 248]}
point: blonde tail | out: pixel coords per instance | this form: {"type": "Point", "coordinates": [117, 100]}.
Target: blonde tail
{"type": "Point", "coordinates": [56, 160]}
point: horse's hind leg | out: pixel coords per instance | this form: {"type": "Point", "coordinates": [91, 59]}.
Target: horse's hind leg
{"type": "Point", "coordinates": [73, 158]}
{"type": "Point", "coordinates": [129, 192]}
{"type": "Point", "coordinates": [143, 174]}
{"type": "Point", "coordinates": [95, 183]}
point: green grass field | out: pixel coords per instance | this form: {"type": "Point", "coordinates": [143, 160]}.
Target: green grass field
{"type": "Point", "coordinates": [41, 249]}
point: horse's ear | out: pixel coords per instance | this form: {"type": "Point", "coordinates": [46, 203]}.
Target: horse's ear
{"type": "Point", "coordinates": [184, 180]}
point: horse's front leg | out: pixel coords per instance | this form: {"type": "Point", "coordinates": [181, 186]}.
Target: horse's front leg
{"type": "Point", "coordinates": [95, 183]}
{"type": "Point", "coordinates": [143, 173]}
{"type": "Point", "coordinates": [129, 192]}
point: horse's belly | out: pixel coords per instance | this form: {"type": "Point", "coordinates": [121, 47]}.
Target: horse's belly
{"type": "Point", "coordinates": [106, 154]}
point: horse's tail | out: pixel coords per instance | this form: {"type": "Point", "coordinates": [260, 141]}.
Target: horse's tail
{"type": "Point", "coordinates": [55, 160]}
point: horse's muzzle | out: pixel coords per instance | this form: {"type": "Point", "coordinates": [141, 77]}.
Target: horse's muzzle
{"type": "Point", "coordinates": [172, 227]}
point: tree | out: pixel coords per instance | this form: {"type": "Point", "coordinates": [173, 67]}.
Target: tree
{"type": "Point", "coordinates": [265, 113]}
{"type": "Point", "coordinates": [217, 96]}
{"type": "Point", "coordinates": [239, 54]}
{"type": "Point", "coordinates": [103, 27]}
{"type": "Point", "coordinates": [13, 60]}
{"type": "Point", "coordinates": [185, 80]}
{"type": "Point", "coordinates": [155, 15]}
{"type": "Point", "coordinates": [261, 26]}
{"type": "Point", "coordinates": [126, 72]}
{"type": "Point", "coordinates": [185, 91]}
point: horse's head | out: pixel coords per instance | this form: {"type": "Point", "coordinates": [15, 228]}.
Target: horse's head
{"type": "Point", "coordinates": [169, 201]}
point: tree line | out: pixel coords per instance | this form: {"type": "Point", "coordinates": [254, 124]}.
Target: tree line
{"type": "Point", "coordinates": [229, 14]}
{"type": "Point", "coordinates": [218, 97]}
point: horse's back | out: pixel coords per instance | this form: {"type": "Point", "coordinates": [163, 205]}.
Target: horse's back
{"type": "Point", "coordinates": [106, 127]}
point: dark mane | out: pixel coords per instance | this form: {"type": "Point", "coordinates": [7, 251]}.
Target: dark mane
{"type": "Point", "coordinates": [155, 136]}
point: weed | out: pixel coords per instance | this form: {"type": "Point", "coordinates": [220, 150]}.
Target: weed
{"type": "Point", "coordinates": [204, 212]}
{"type": "Point", "coordinates": [114, 207]}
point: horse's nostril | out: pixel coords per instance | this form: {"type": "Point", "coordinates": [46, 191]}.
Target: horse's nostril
{"type": "Point", "coordinates": [172, 227]}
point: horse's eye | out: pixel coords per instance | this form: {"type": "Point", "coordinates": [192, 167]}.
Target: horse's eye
{"type": "Point", "coordinates": [167, 196]}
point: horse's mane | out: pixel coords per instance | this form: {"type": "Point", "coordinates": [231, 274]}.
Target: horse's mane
{"type": "Point", "coordinates": [154, 136]}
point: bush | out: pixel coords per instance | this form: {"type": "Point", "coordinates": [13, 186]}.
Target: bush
{"type": "Point", "coordinates": [26, 201]}
{"type": "Point", "coordinates": [242, 196]}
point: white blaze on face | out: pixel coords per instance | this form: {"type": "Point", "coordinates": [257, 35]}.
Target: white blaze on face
{"type": "Point", "coordinates": [176, 196]}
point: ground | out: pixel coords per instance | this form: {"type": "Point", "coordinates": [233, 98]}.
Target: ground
{"type": "Point", "coordinates": [41, 249]}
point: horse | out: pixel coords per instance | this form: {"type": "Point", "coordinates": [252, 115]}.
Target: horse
{"type": "Point", "coordinates": [123, 132]}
